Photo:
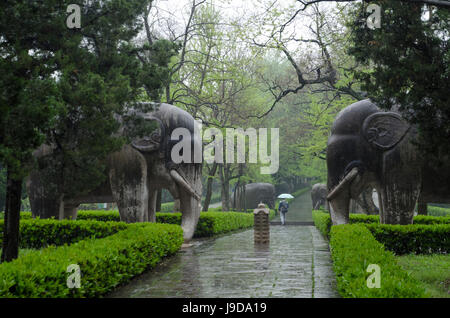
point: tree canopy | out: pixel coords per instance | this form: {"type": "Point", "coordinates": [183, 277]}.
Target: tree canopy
{"type": "Point", "coordinates": [408, 65]}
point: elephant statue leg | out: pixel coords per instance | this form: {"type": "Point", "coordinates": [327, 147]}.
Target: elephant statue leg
{"type": "Point", "coordinates": [353, 207]}
{"type": "Point", "coordinates": [317, 205]}
{"type": "Point", "coordinates": [151, 216]}
{"type": "Point", "coordinates": [45, 202]}
{"type": "Point", "coordinates": [128, 178]}
{"type": "Point", "coordinates": [176, 205]}
{"type": "Point", "coordinates": [365, 201]}
{"type": "Point", "coordinates": [422, 207]}
{"type": "Point", "coordinates": [402, 183]}
{"type": "Point", "coordinates": [69, 211]}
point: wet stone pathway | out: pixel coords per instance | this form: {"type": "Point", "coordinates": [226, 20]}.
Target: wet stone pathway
{"type": "Point", "coordinates": [296, 263]}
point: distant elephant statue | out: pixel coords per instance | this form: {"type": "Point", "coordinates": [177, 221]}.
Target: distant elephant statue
{"type": "Point", "coordinates": [362, 204]}
{"type": "Point", "coordinates": [253, 194]}
{"type": "Point", "coordinates": [135, 174]}
{"type": "Point", "coordinates": [319, 193]}
{"type": "Point", "coordinates": [369, 147]}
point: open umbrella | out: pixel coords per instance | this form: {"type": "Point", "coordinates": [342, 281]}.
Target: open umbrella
{"type": "Point", "coordinates": [285, 196]}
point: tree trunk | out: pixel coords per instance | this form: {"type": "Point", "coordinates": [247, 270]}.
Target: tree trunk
{"type": "Point", "coordinates": [158, 200]}
{"type": "Point", "coordinates": [224, 183]}
{"type": "Point", "coordinates": [209, 183]}
{"type": "Point", "coordinates": [10, 249]}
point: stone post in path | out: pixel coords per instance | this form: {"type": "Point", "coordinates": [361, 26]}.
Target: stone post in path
{"type": "Point", "coordinates": [261, 224]}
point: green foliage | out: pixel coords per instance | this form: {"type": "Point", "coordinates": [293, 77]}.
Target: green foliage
{"type": "Point", "coordinates": [417, 239]}
{"type": "Point", "coordinates": [353, 248]}
{"type": "Point", "coordinates": [218, 209]}
{"type": "Point", "coordinates": [438, 211]}
{"type": "Point", "coordinates": [75, 83]}
{"type": "Point", "coordinates": [167, 207]}
{"type": "Point", "coordinates": [428, 234]}
{"type": "Point", "coordinates": [24, 215]}
{"type": "Point", "coordinates": [104, 263]}
{"type": "Point", "coordinates": [209, 224]}
{"type": "Point", "coordinates": [431, 270]}
{"type": "Point", "coordinates": [410, 60]}
{"type": "Point", "coordinates": [112, 215]}
{"type": "Point", "coordinates": [322, 221]}
{"type": "Point", "coordinates": [37, 233]}
{"type": "Point", "coordinates": [2, 188]}
{"type": "Point", "coordinates": [213, 223]}
{"type": "Point", "coordinates": [429, 219]}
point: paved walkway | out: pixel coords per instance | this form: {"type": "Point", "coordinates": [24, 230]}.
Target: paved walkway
{"type": "Point", "coordinates": [295, 264]}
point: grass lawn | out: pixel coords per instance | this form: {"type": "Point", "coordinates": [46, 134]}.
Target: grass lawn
{"type": "Point", "coordinates": [22, 251]}
{"type": "Point", "coordinates": [432, 270]}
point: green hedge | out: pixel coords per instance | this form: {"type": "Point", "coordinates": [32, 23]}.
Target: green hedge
{"type": "Point", "coordinates": [438, 211]}
{"type": "Point", "coordinates": [322, 220]}
{"type": "Point", "coordinates": [427, 235]}
{"type": "Point", "coordinates": [353, 248]}
{"type": "Point", "coordinates": [217, 209]}
{"type": "Point", "coordinates": [104, 263]}
{"type": "Point", "coordinates": [167, 207]}
{"type": "Point", "coordinates": [112, 215]}
{"type": "Point", "coordinates": [23, 215]}
{"type": "Point", "coordinates": [213, 223]}
{"type": "Point", "coordinates": [416, 238]}
{"type": "Point", "coordinates": [210, 223]}
{"type": "Point", "coordinates": [41, 233]}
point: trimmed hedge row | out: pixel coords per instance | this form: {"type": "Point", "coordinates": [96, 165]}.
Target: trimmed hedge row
{"type": "Point", "coordinates": [415, 238]}
{"type": "Point", "coordinates": [23, 215]}
{"type": "Point", "coordinates": [353, 249]}
{"type": "Point", "coordinates": [213, 223]}
{"type": "Point", "coordinates": [322, 220]}
{"type": "Point", "coordinates": [112, 215]}
{"type": "Point", "coordinates": [167, 207]}
{"type": "Point", "coordinates": [210, 223]}
{"type": "Point", "coordinates": [41, 233]}
{"type": "Point", "coordinates": [104, 263]}
{"type": "Point", "coordinates": [438, 211]}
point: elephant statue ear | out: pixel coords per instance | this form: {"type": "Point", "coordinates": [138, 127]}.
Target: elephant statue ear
{"type": "Point", "coordinates": [384, 129]}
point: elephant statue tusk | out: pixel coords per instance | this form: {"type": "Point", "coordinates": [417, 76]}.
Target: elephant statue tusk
{"type": "Point", "coordinates": [182, 182]}
{"type": "Point", "coordinates": [347, 179]}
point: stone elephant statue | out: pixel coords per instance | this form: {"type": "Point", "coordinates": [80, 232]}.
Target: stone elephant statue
{"type": "Point", "coordinates": [253, 194]}
{"type": "Point", "coordinates": [369, 147]}
{"type": "Point", "coordinates": [134, 175]}
{"type": "Point", "coordinates": [319, 192]}
{"type": "Point", "coordinates": [362, 204]}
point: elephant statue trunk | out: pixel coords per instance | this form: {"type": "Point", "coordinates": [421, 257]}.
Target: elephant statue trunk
{"type": "Point", "coordinates": [183, 184]}
{"type": "Point", "coordinates": [339, 198]}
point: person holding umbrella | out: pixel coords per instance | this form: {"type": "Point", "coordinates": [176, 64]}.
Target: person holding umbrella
{"type": "Point", "coordinates": [283, 207]}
